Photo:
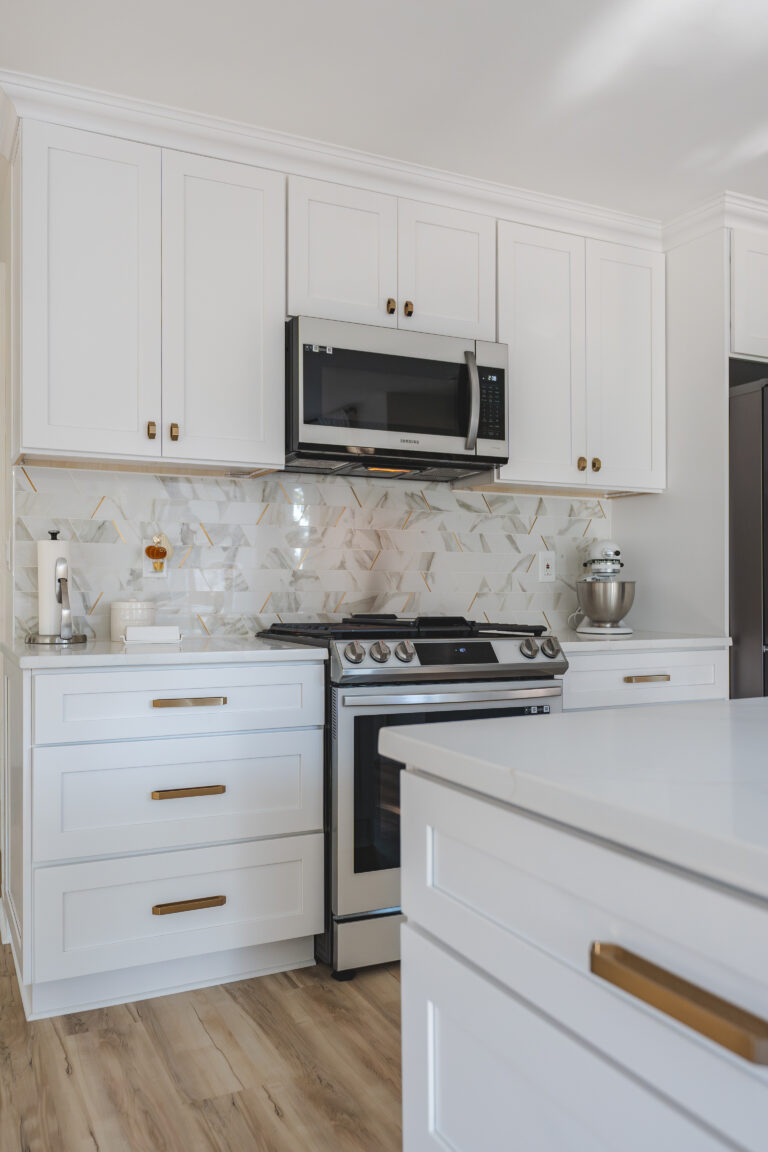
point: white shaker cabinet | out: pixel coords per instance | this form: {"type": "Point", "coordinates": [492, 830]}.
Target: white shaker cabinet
{"type": "Point", "coordinates": [541, 319]}
{"type": "Point", "coordinates": [584, 321]}
{"type": "Point", "coordinates": [223, 335]}
{"type": "Point", "coordinates": [89, 247]}
{"type": "Point", "coordinates": [342, 253]}
{"type": "Point", "coordinates": [749, 293]}
{"type": "Point", "coordinates": [626, 389]}
{"type": "Point", "coordinates": [364, 257]}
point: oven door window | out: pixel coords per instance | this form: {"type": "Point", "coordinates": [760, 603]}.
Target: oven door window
{"type": "Point", "coordinates": [377, 782]}
{"type": "Point", "coordinates": [367, 390]}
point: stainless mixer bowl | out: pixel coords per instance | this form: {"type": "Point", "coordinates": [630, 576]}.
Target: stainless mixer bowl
{"type": "Point", "coordinates": [605, 602]}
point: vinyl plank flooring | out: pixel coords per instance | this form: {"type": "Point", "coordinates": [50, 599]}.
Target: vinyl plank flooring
{"type": "Point", "coordinates": [283, 1063]}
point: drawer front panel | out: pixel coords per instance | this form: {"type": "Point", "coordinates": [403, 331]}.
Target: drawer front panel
{"type": "Point", "coordinates": [482, 1070]}
{"type": "Point", "coordinates": [491, 884]}
{"type": "Point", "coordinates": [78, 707]}
{"type": "Point", "coordinates": [99, 916]}
{"type": "Point", "coordinates": [97, 799]}
{"type": "Point", "coordinates": [644, 678]}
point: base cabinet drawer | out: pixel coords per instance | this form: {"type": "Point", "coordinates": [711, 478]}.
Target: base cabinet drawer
{"type": "Point", "coordinates": [524, 901]}
{"type": "Point", "coordinates": [84, 706]}
{"type": "Point", "coordinates": [146, 795]}
{"type": "Point", "coordinates": [482, 1069]}
{"type": "Point", "coordinates": [610, 680]}
{"type": "Point", "coordinates": [118, 913]}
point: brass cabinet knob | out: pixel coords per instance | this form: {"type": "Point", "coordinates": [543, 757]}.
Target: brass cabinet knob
{"type": "Point", "coordinates": [391, 306]}
{"type": "Point", "coordinates": [151, 430]}
{"type": "Point", "coordinates": [408, 309]}
{"type": "Point", "coordinates": [596, 463]}
{"type": "Point", "coordinates": [581, 463]}
{"type": "Point", "coordinates": [175, 433]}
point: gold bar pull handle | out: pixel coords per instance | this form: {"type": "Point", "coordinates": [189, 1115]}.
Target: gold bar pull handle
{"type": "Point", "coordinates": [656, 678]}
{"type": "Point", "coordinates": [182, 793]}
{"type": "Point", "coordinates": [719, 1020]}
{"type": "Point", "coordinates": [191, 702]}
{"type": "Point", "coordinates": [188, 905]}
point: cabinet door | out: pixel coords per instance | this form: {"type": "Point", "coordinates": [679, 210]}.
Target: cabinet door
{"type": "Point", "coordinates": [342, 253]}
{"type": "Point", "coordinates": [90, 252]}
{"type": "Point", "coordinates": [626, 391]}
{"type": "Point", "coordinates": [447, 271]}
{"type": "Point", "coordinates": [749, 293]}
{"type": "Point", "coordinates": [541, 318]}
{"type": "Point", "coordinates": [223, 320]}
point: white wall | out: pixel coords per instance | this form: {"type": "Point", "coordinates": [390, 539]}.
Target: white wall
{"type": "Point", "coordinates": [6, 583]}
{"type": "Point", "coordinates": [677, 543]}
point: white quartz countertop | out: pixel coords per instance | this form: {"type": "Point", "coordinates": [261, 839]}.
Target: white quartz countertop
{"type": "Point", "coordinates": [194, 650]}
{"type": "Point", "coordinates": [571, 641]}
{"type": "Point", "coordinates": [684, 783]}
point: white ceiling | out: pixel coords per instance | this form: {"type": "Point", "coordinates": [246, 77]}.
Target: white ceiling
{"type": "Point", "coordinates": [649, 106]}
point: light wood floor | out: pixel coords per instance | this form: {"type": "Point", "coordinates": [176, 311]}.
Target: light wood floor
{"type": "Point", "coordinates": [280, 1064]}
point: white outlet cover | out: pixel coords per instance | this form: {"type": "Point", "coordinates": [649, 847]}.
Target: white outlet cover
{"type": "Point", "coordinates": [546, 567]}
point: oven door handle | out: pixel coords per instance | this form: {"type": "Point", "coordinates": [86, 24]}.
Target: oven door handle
{"type": "Point", "coordinates": [449, 698]}
{"type": "Point", "coordinates": [474, 401]}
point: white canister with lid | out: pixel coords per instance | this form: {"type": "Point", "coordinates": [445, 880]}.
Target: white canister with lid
{"type": "Point", "coordinates": [125, 612]}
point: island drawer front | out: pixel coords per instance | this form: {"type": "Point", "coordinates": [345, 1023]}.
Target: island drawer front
{"type": "Point", "coordinates": [128, 705]}
{"type": "Point", "coordinates": [98, 916]}
{"type": "Point", "coordinates": [524, 900]}
{"type": "Point", "coordinates": [604, 681]}
{"type": "Point", "coordinates": [485, 1070]}
{"type": "Point", "coordinates": [97, 799]}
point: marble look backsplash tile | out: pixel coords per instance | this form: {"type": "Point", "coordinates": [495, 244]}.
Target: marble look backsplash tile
{"type": "Point", "coordinates": [251, 551]}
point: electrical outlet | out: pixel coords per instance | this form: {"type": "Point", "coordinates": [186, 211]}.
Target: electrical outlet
{"type": "Point", "coordinates": [546, 567]}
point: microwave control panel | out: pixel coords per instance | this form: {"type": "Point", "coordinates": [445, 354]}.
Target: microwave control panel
{"type": "Point", "coordinates": [493, 419]}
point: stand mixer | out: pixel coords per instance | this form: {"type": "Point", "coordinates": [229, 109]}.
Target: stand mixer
{"type": "Point", "coordinates": [604, 600]}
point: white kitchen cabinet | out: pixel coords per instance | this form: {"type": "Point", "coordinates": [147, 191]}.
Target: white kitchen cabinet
{"type": "Point", "coordinates": [617, 678]}
{"type": "Point", "coordinates": [749, 293]}
{"type": "Point", "coordinates": [486, 1070]}
{"type": "Point", "coordinates": [186, 784]}
{"type": "Point", "coordinates": [342, 252]}
{"type": "Point", "coordinates": [90, 292]}
{"type": "Point", "coordinates": [223, 288]}
{"type": "Point", "coordinates": [368, 258]}
{"type": "Point", "coordinates": [541, 319]}
{"type": "Point", "coordinates": [626, 391]}
{"type": "Point", "coordinates": [446, 269]}
{"type": "Point", "coordinates": [584, 321]}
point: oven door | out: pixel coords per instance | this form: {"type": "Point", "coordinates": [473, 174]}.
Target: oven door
{"type": "Point", "coordinates": [370, 389]}
{"type": "Point", "coordinates": [365, 799]}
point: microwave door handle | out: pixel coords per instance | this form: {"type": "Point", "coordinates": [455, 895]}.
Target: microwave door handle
{"type": "Point", "coordinates": [474, 401]}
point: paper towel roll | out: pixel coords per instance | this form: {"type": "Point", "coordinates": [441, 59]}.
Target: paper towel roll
{"type": "Point", "coordinates": [48, 607]}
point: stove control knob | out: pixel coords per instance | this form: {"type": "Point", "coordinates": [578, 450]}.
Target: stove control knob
{"type": "Point", "coordinates": [354, 652]}
{"type": "Point", "coordinates": [529, 648]}
{"type": "Point", "coordinates": [405, 651]}
{"type": "Point", "coordinates": [380, 651]}
{"type": "Point", "coordinates": [550, 647]}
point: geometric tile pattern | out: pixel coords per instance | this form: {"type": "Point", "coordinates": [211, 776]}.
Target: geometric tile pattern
{"type": "Point", "coordinates": [286, 546]}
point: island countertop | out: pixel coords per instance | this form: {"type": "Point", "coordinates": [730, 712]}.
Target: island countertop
{"type": "Point", "coordinates": [686, 784]}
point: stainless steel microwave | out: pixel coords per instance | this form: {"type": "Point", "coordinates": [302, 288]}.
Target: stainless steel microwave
{"type": "Point", "coordinates": [377, 401]}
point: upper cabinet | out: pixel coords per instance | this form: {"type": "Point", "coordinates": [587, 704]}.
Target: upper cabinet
{"type": "Point", "coordinates": [90, 292]}
{"type": "Point", "coordinates": [749, 293]}
{"type": "Point", "coordinates": [368, 258]}
{"type": "Point", "coordinates": [120, 359]}
{"type": "Point", "coordinates": [584, 321]}
{"type": "Point", "coordinates": [223, 319]}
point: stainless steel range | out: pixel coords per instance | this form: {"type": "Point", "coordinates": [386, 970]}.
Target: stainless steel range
{"type": "Point", "coordinates": [384, 671]}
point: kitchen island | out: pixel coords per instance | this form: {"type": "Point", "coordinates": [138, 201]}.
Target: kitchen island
{"type": "Point", "coordinates": [586, 902]}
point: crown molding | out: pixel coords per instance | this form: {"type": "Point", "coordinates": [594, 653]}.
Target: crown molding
{"type": "Point", "coordinates": [727, 210]}
{"type": "Point", "coordinates": [53, 101]}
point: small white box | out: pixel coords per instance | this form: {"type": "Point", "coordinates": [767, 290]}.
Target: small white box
{"type": "Point", "coordinates": [152, 634]}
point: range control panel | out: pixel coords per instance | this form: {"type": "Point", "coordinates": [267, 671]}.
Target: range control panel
{"type": "Point", "coordinates": [399, 659]}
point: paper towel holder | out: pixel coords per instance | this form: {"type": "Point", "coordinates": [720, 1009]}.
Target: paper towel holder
{"type": "Point", "coordinates": [66, 636]}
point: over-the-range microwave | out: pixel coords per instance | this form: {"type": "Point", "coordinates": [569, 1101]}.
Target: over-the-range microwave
{"type": "Point", "coordinates": [380, 402]}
